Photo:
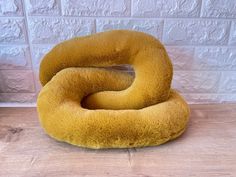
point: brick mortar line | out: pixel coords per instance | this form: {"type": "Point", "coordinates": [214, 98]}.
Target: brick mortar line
{"type": "Point", "coordinates": [231, 33]}
{"type": "Point", "coordinates": [18, 104]}
{"type": "Point", "coordinates": [29, 43]}
{"type": "Point", "coordinates": [60, 7]}
{"type": "Point", "coordinates": [131, 8]}
{"type": "Point", "coordinates": [201, 8]}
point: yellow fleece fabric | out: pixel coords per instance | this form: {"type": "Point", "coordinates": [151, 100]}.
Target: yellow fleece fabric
{"type": "Point", "coordinates": [94, 107]}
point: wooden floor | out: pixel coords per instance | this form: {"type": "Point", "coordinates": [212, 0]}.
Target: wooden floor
{"type": "Point", "coordinates": [207, 148]}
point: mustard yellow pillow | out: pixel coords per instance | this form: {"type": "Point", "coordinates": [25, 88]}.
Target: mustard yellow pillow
{"type": "Point", "coordinates": [94, 107]}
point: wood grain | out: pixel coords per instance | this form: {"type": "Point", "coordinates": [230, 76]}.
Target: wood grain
{"type": "Point", "coordinates": [207, 148]}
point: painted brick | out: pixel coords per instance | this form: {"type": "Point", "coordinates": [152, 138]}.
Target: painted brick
{"type": "Point", "coordinates": [14, 57]}
{"type": "Point", "coordinates": [209, 98]}
{"type": "Point", "coordinates": [43, 7]}
{"type": "Point", "coordinates": [196, 81]}
{"type": "Point", "coordinates": [215, 58]}
{"type": "Point", "coordinates": [96, 7]}
{"type": "Point", "coordinates": [12, 30]}
{"type": "Point", "coordinates": [232, 39]}
{"type": "Point", "coordinates": [219, 8]}
{"type": "Point", "coordinates": [196, 32]}
{"type": "Point", "coordinates": [13, 81]}
{"type": "Point", "coordinates": [226, 98]}
{"type": "Point", "coordinates": [37, 54]}
{"type": "Point", "coordinates": [228, 82]}
{"type": "Point", "coordinates": [153, 27]}
{"type": "Point", "coordinates": [18, 97]}
{"type": "Point", "coordinates": [166, 8]}
{"type": "Point", "coordinates": [202, 58]}
{"type": "Point", "coordinates": [181, 57]}
{"type": "Point", "coordinates": [201, 98]}
{"type": "Point", "coordinates": [54, 30]}
{"type": "Point", "coordinates": [10, 8]}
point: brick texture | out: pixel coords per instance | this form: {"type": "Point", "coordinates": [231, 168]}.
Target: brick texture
{"type": "Point", "coordinates": [153, 27]}
{"type": "Point", "coordinates": [196, 32]}
{"type": "Point", "coordinates": [228, 82]}
{"type": "Point", "coordinates": [14, 81]}
{"type": "Point", "coordinates": [196, 81]}
{"type": "Point", "coordinates": [11, 8]}
{"type": "Point", "coordinates": [96, 7]}
{"type": "Point", "coordinates": [12, 31]}
{"type": "Point", "coordinates": [14, 57]}
{"type": "Point", "coordinates": [182, 57]}
{"type": "Point", "coordinates": [166, 8]}
{"type": "Point", "coordinates": [42, 7]}
{"type": "Point", "coordinates": [219, 8]}
{"type": "Point", "coordinates": [54, 30]}
{"type": "Point", "coordinates": [199, 35]}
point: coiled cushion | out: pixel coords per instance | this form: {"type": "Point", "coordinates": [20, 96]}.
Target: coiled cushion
{"type": "Point", "coordinates": [100, 108]}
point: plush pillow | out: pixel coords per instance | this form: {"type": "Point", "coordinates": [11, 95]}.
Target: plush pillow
{"type": "Point", "coordinates": [89, 106]}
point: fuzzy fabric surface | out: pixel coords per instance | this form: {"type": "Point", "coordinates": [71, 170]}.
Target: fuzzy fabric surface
{"type": "Point", "coordinates": [89, 106]}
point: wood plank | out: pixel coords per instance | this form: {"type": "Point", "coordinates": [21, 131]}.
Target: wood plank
{"type": "Point", "coordinates": [207, 148]}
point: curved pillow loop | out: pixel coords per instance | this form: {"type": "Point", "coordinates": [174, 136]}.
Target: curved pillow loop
{"type": "Point", "coordinates": [118, 110]}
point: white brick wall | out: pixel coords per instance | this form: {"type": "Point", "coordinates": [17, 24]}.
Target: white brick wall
{"type": "Point", "coordinates": [200, 37]}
